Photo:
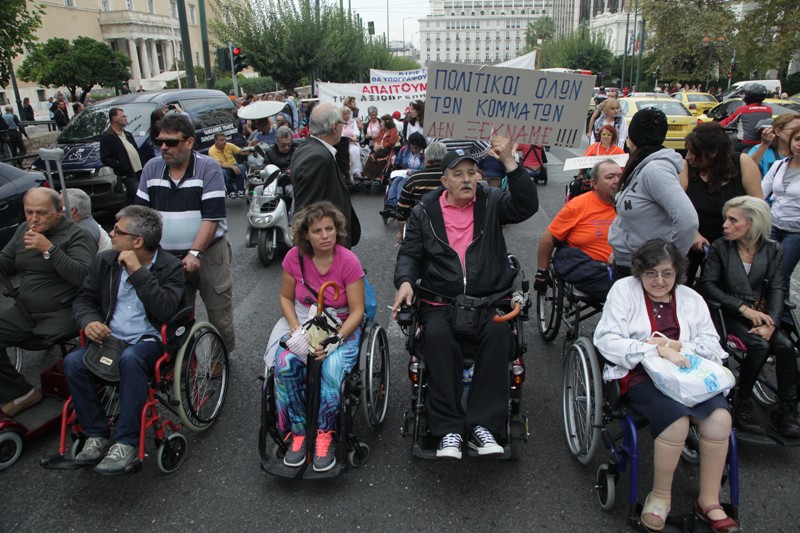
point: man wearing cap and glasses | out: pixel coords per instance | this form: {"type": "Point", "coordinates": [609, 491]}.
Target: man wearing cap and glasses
{"type": "Point", "coordinates": [131, 290]}
{"type": "Point", "coordinates": [454, 245]}
{"type": "Point", "coordinates": [188, 190]}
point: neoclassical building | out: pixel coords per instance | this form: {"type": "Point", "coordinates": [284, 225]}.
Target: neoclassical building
{"type": "Point", "coordinates": [147, 31]}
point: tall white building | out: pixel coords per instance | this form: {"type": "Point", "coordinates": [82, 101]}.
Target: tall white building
{"type": "Point", "coordinates": [477, 31]}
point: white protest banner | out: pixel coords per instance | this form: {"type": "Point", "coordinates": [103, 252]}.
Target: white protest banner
{"type": "Point", "coordinates": [527, 106]}
{"type": "Point", "coordinates": [394, 76]}
{"type": "Point", "coordinates": [575, 163]}
{"type": "Point", "coordinates": [387, 97]}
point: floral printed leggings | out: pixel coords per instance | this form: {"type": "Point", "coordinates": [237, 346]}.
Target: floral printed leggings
{"type": "Point", "coordinates": [290, 386]}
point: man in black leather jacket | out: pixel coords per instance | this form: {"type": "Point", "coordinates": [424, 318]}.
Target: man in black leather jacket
{"type": "Point", "coordinates": [129, 293]}
{"type": "Point", "coordinates": [280, 154]}
{"type": "Point", "coordinates": [454, 246]}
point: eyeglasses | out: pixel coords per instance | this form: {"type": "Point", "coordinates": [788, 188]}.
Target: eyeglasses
{"type": "Point", "coordinates": [172, 143]}
{"type": "Point", "coordinates": [118, 231]}
{"type": "Point", "coordinates": [652, 274]}
{"type": "Point", "coordinates": [342, 122]}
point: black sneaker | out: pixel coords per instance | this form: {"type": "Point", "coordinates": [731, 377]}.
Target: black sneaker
{"type": "Point", "coordinates": [296, 454]}
{"type": "Point", "coordinates": [744, 420]}
{"type": "Point", "coordinates": [482, 441]}
{"type": "Point", "coordinates": [325, 453]}
{"type": "Point", "coordinates": [785, 420]}
{"type": "Point", "coordinates": [450, 446]}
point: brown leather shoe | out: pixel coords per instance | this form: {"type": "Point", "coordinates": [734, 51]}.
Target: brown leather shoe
{"type": "Point", "coordinates": [14, 407]}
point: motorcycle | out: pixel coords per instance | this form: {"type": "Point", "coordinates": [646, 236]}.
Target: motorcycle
{"type": "Point", "coordinates": [255, 164]}
{"type": "Point", "coordinates": [268, 214]}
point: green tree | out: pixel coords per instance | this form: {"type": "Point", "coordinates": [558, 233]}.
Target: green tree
{"type": "Point", "coordinates": [675, 33]}
{"type": "Point", "coordinates": [543, 28]}
{"type": "Point", "coordinates": [81, 64]}
{"type": "Point", "coordinates": [18, 24]}
{"type": "Point", "coordinates": [581, 49]}
{"type": "Point", "coordinates": [768, 38]}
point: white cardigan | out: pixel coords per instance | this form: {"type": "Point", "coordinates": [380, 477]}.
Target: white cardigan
{"type": "Point", "coordinates": [785, 201]}
{"type": "Point", "coordinates": [624, 328]}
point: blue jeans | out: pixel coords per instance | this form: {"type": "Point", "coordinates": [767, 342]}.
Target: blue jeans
{"type": "Point", "coordinates": [234, 183]}
{"type": "Point", "coordinates": [791, 254]}
{"type": "Point", "coordinates": [135, 367]}
{"type": "Point", "coordinates": [394, 190]}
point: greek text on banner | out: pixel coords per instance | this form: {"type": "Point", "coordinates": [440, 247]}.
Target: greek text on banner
{"type": "Point", "coordinates": [575, 163]}
{"type": "Point", "coordinates": [527, 106]}
{"type": "Point", "coordinates": [393, 76]}
{"type": "Point", "coordinates": [386, 97]}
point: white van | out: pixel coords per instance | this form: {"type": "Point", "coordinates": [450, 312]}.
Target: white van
{"type": "Point", "coordinates": [735, 90]}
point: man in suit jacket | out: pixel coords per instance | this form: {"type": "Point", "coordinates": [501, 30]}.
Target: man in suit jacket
{"type": "Point", "coordinates": [320, 165]}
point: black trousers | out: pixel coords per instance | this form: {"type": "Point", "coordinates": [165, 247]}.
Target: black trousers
{"type": "Point", "coordinates": [758, 350]}
{"type": "Point", "coordinates": [489, 393]}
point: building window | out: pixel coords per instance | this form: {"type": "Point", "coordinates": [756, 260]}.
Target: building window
{"type": "Point", "coordinates": [191, 15]}
{"type": "Point", "coordinates": [69, 3]}
{"type": "Point", "coordinates": [150, 7]}
{"type": "Point", "coordinates": [173, 9]}
{"type": "Point", "coordinates": [197, 58]}
{"type": "Point", "coordinates": [129, 3]}
{"type": "Point", "coordinates": [104, 5]}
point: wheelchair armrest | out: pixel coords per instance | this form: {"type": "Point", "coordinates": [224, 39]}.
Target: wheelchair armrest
{"type": "Point", "coordinates": [714, 305]}
{"type": "Point", "coordinates": [181, 317]}
{"type": "Point", "coordinates": [789, 306]}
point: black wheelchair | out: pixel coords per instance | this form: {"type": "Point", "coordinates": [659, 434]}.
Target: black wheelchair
{"type": "Point", "coordinates": [189, 383]}
{"type": "Point", "coordinates": [415, 419]}
{"type": "Point", "coordinates": [563, 302]}
{"type": "Point", "coordinates": [365, 388]}
{"type": "Point", "coordinates": [594, 412]}
{"type": "Point", "coordinates": [765, 389]}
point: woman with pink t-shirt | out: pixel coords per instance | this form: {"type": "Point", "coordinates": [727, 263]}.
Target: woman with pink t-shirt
{"type": "Point", "coordinates": [318, 257]}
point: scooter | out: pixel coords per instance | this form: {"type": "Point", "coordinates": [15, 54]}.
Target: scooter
{"type": "Point", "coordinates": [268, 215]}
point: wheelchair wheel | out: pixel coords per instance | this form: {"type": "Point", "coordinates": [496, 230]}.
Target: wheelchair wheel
{"type": "Point", "coordinates": [10, 448]}
{"type": "Point", "coordinates": [549, 306]}
{"type": "Point", "coordinates": [374, 368]}
{"type": "Point", "coordinates": [582, 400]}
{"type": "Point", "coordinates": [606, 486]}
{"type": "Point", "coordinates": [358, 456]}
{"type": "Point", "coordinates": [201, 377]}
{"type": "Point", "coordinates": [171, 453]}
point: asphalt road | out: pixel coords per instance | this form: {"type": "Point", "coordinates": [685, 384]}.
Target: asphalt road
{"type": "Point", "coordinates": [221, 487]}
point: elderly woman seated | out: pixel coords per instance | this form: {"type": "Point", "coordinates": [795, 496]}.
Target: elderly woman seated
{"type": "Point", "coordinates": [319, 257]}
{"type": "Point", "coordinates": [653, 315]}
{"type": "Point", "coordinates": [744, 273]}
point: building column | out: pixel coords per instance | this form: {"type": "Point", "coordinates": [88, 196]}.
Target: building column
{"type": "Point", "coordinates": [136, 73]}
{"type": "Point", "coordinates": [165, 51]}
{"type": "Point", "coordinates": [145, 62]}
{"type": "Point", "coordinates": [154, 55]}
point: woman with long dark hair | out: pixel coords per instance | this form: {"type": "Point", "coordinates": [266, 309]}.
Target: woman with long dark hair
{"type": "Point", "coordinates": [650, 203]}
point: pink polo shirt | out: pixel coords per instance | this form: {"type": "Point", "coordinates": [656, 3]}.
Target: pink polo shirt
{"type": "Point", "coordinates": [459, 223]}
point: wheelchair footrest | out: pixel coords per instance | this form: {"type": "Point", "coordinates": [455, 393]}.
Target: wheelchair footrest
{"type": "Point", "coordinates": [276, 467]}
{"type": "Point", "coordinates": [430, 453]}
{"type": "Point", "coordinates": [60, 462]}
{"type": "Point", "coordinates": [337, 469]}
{"type": "Point", "coordinates": [676, 523]}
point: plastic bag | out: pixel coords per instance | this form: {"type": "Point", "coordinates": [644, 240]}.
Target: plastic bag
{"type": "Point", "coordinates": [690, 386]}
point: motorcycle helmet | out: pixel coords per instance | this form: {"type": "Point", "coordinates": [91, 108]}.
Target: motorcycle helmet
{"type": "Point", "coordinates": [754, 93]}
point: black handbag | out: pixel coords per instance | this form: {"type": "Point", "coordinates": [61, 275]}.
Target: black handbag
{"type": "Point", "coordinates": [102, 360]}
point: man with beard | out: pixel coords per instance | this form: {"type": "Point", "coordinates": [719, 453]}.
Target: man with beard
{"type": "Point", "coordinates": [188, 190]}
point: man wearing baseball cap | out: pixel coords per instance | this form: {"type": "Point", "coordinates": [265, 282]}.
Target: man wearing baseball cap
{"type": "Point", "coordinates": [454, 246]}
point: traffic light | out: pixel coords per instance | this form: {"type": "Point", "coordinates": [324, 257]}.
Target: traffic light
{"type": "Point", "coordinates": [223, 59]}
{"type": "Point", "coordinates": [658, 73]}
{"type": "Point", "coordinates": [239, 60]}
{"type": "Point", "coordinates": [371, 27]}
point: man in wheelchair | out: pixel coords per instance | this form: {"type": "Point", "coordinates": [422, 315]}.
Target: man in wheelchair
{"type": "Point", "coordinates": [454, 246]}
{"type": "Point", "coordinates": [583, 225]}
{"type": "Point", "coordinates": [131, 290]}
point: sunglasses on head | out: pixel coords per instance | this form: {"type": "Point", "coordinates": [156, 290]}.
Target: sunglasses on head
{"type": "Point", "coordinates": [172, 143]}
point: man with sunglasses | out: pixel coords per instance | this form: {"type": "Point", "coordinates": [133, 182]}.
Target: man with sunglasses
{"type": "Point", "coordinates": [118, 150]}
{"type": "Point", "coordinates": [280, 154]}
{"type": "Point", "coordinates": [188, 190]}
{"type": "Point", "coordinates": [131, 290]}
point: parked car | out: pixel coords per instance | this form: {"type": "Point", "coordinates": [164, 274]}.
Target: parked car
{"type": "Point", "coordinates": [724, 109]}
{"type": "Point", "coordinates": [679, 118]}
{"type": "Point", "coordinates": [697, 103]}
{"type": "Point", "coordinates": [211, 112]}
{"type": "Point", "coordinates": [14, 183]}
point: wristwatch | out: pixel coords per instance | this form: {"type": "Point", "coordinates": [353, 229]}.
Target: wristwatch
{"type": "Point", "coordinates": [47, 253]}
{"type": "Point", "coordinates": [197, 253]}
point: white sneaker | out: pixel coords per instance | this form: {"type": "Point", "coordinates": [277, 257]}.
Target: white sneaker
{"type": "Point", "coordinates": [482, 441]}
{"type": "Point", "coordinates": [450, 446]}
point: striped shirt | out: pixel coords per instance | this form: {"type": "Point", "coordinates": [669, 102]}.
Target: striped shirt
{"type": "Point", "coordinates": [417, 186]}
{"type": "Point", "coordinates": [198, 196]}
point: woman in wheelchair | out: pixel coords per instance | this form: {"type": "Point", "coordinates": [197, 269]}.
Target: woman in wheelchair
{"type": "Point", "coordinates": [744, 273]}
{"type": "Point", "coordinates": [318, 257]}
{"type": "Point", "coordinates": [652, 302]}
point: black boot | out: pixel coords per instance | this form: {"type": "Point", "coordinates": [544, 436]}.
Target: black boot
{"type": "Point", "coordinates": [785, 420]}
{"type": "Point", "coordinates": [743, 419]}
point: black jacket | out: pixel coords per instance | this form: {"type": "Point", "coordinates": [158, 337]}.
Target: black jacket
{"type": "Point", "coordinates": [280, 160]}
{"type": "Point", "coordinates": [114, 155]}
{"type": "Point", "coordinates": [725, 280]}
{"type": "Point", "coordinates": [427, 255]}
{"type": "Point", "coordinates": [160, 289]}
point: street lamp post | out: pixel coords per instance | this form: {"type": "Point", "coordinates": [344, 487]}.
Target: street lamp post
{"type": "Point", "coordinates": [404, 33]}
{"type": "Point", "coordinates": [709, 43]}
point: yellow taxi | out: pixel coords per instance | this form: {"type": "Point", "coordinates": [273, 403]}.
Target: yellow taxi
{"type": "Point", "coordinates": [679, 119]}
{"type": "Point", "coordinates": [723, 110]}
{"type": "Point", "coordinates": [697, 103]}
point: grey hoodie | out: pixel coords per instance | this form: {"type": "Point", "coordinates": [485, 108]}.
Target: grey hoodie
{"type": "Point", "coordinates": [652, 206]}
